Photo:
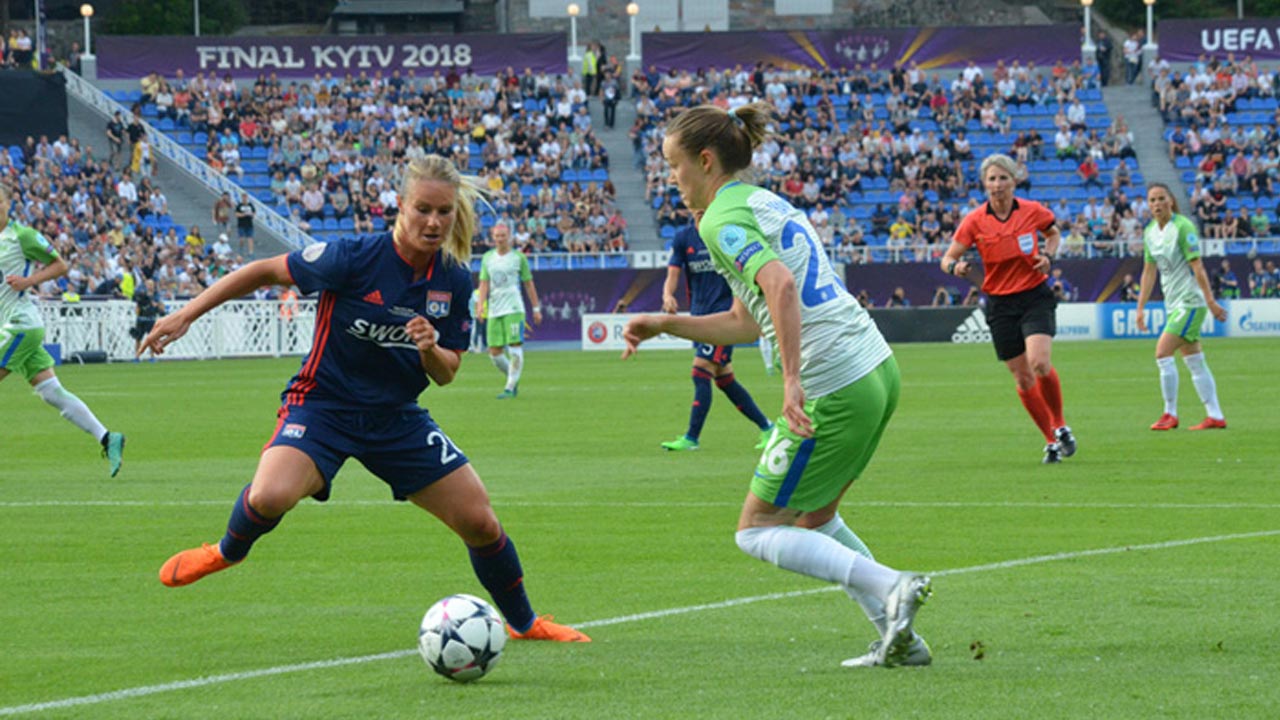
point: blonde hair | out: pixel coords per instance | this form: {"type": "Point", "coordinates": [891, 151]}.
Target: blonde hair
{"type": "Point", "coordinates": [468, 189]}
{"type": "Point", "coordinates": [1002, 161]}
{"type": "Point", "coordinates": [731, 135]}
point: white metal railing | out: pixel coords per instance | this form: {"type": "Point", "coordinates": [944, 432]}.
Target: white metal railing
{"type": "Point", "coordinates": [1092, 249]}
{"type": "Point", "coordinates": [293, 237]}
{"type": "Point", "coordinates": [240, 328]}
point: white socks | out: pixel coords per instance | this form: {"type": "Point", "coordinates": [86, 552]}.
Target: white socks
{"type": "Point", "coordinates": [71, 407]}
{"type": "Point", "coordinates": [1205, 386]}
{"type": "Point", "coordinates": [1169, 384]}
{"type": "Point", "coordinates": [517, 365]}
{"type": "Point", "coordinates": [872, 606]}
{"type": "Point", "coordinates": [819, 556]}
{"type": "Point", "coordinates": [500, 361]}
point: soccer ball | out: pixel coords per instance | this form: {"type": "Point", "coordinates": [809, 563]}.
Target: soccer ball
{"type": "Point", "coordinates": [462, 637]}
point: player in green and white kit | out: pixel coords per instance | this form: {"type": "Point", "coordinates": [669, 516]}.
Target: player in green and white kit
{"type": "Point", "coordinates": [840, 380]}
{"type": "Point", "coordinates": [22, 329]}
{"type": "Point", "coordinates": [1172, 248]}
{"type": "Point", "coordinates": [502, 270]}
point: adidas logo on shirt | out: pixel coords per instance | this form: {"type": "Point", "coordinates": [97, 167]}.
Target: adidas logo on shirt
{"type": "Point", "coordinates": [974, 329]}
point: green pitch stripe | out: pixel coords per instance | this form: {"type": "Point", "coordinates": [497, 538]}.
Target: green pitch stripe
{"type": "Point", "coordinates": [339, 662]}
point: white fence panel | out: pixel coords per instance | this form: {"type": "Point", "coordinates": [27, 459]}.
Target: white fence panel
{"type": "Point", "coordinates": [240, 328]}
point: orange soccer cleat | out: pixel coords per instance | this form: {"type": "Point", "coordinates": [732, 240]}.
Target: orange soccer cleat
{"type": "Point", "coordinates": [1166, 422]}
{"type": "Point", "coordinates": [189, 566]}
{"type": "Point", "coordinates": [1210, 424]}
{"type": "Point", "coordinates": [544, 629]}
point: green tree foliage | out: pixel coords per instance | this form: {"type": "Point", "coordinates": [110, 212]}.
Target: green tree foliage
{"type": "Point", "coordinates": [175, 17]}
{"type": "Point", "coordinates": [1132, 13]}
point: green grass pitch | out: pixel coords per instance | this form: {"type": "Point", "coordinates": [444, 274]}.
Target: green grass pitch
{"type": "Point", "coordinates": [1136, 580]}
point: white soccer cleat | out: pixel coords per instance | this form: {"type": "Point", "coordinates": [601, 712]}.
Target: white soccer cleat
{"type": "Point", "coordinates": [900, 608]}
{"type": "Point", "coordinates": [918, 655]}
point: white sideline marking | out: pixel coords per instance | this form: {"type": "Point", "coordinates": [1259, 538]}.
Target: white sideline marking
{"type": "Point", "coordinates": [500, 503]}
{"type": "Point", "coordinates": [339, 662]}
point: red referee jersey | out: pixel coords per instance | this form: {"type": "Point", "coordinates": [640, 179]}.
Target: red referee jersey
{"type": "Point", "coordinates": [1007, 246]}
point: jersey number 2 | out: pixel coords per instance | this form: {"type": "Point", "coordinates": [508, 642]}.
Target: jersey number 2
{"type": "Point", "coordinates": [811, 293]}
{"type": "Point", "coordinates": [448, 452]}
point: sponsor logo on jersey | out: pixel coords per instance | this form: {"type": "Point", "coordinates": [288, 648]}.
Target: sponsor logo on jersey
{"type": "Point", "coordinates": [312, 252]}
{"type": "Point", "coordinates": [388, 336]}
{"type": "Point", "coordinates": [732, 239]}
{"type": "Point", "coordinates": [745, 256]}
{"type": "Point", "coordinates": [974, 329]}
{"type": "Point", "coordinates": [293, 430]}
{"type": "Point", "coordinates": [438, 302]}
{"type": "Point", "coordinates": [403, 311]}
{"type": "Point", "coordinates": [374, 298]}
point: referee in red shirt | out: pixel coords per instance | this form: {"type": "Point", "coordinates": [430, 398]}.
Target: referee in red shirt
{"type": "Point", "coordinates": [1021, 306]}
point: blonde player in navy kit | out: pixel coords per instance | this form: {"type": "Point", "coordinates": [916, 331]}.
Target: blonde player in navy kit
{"type": "Point", "coordinates": [392, 319]}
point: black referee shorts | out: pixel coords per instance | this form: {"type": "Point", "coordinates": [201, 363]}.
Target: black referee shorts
{"type": "Point", "coordinates": [1013, 317]}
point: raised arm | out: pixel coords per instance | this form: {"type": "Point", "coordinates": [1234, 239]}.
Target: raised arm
{"type": "Point", "coordinates": [269, 271]}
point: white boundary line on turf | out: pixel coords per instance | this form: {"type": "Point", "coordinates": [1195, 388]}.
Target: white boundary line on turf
{"type": "Point", "coordinates": [498, 502]}
{"type": "Point", "coordinates": [145, 690]}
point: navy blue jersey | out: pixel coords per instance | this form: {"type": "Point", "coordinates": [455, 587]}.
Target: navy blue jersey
{"type": "Point", "coordinates": [361, 355]}
{"type": "Point", "coordinates": [708, 291]}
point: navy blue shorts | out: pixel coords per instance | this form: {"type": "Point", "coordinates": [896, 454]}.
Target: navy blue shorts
{"type": "Point", "coordinates": [404, 448]}
{"type": "Point", "coordinates": [718, 354]}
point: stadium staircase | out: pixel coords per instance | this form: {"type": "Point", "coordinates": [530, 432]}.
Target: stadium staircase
{"type": "Point", "coordinates": [190, 202]}
{"type": "Point", "coordinates": [1133, 102]}
{"type": "Point", "coordinates": [642, 231]}
{"type": "Point", "coordinates": [190, 185]}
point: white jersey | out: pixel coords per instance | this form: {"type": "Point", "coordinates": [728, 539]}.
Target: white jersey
{"type": "Point", "coordinates": [505, 272]}
{"type": "Point", "coordinates": [21, 249]}
{"type": "Point", "coordinates": [1172, 248]}
{"type": "Point", "coordinates": [746, 227]}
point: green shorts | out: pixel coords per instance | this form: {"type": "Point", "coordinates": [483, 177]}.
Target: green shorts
{"type": "Point", "coordinates": [1185, 323]}
{"type": "Point", "coordinates": [22, 352]}
{"type": "Point", "coordinates": [809, 473]}
{"type": "Point", "coordinates": [505, 330]}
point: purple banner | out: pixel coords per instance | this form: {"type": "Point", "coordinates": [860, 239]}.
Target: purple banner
{"type": "Point", "coordinates": [567, 295]}
{"type": "Point", "coordinates": [1186, 40]}
{"type": "Point", "coordinates": [126, 57]}
{"type": "Point", "coordinates": [930, 47]}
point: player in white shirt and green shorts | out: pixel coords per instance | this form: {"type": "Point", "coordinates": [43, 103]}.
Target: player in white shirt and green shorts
{"type": "Point", "coordinates": [840, 381]}
{"type": "Point", "coordinates": [22, 252]}
{"type": "Point", "coordinates": [502, 271]}
{"type": "Point", "coordinates": [1171, 248]}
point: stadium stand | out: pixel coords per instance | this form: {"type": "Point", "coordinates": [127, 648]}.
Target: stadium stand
{"type": "Point", "coordinates": [108, 222]}
{"type": "Point", "coordinates": [327, 153]}
{"type": "Point", "coordinates": [886, 162]}
{"type": "Point", "coordinates": [1220, 116]}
